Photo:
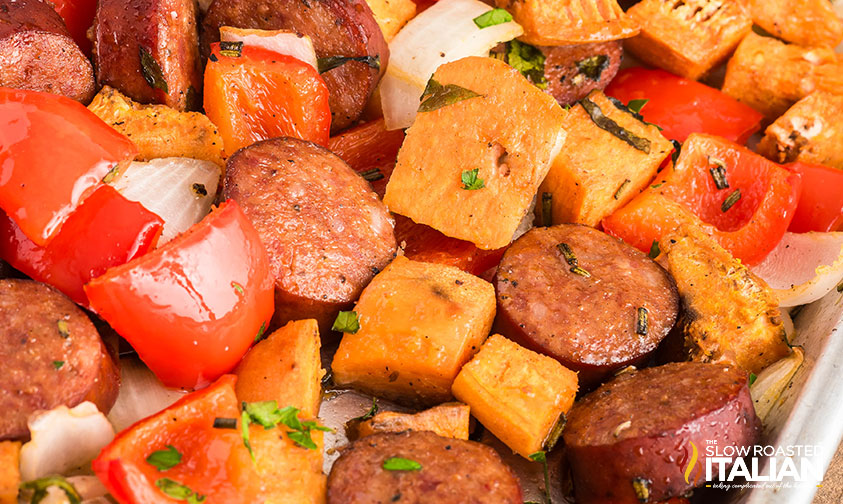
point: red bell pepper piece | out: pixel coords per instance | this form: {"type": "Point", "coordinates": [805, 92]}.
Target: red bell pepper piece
{"type": "Point", "coordinates": [261, 94]}
{"type": "Point", "coordinates": [214, 463]}
{"type": "Point", "coordinates": [681, 106]}
{"type": "Point", "coordinates": [106, 230]}
{"type": "Point", "coordinates": [78, 15]}
{"type": "Point", "coordinates": [192, 307]}
{"type": "Point", "coordinates": [821, 204]}
{"type": "Point", "coordinates": [748, 218]}
{"type": "Point", "coordinates": [53, 153]}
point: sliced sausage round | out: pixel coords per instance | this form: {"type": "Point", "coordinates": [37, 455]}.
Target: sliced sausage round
{"type": "Point", "coordinates": [148, 50]}
{"type": "Point", "coordinates": [37, 52]}
{"type": "Point", "coordinates": [452, 472]}
{"type": "Point", "coordinates": [584, 298]}
{"type": "Point", "coordinates": [52, 355]}
{"type": "Point", "coordinates": [573, 71]}
{"type": "Point", "coordinates": [636, 435]}
{"type": "Point", "coordinates": [339, 29]}
{"type": "Point", "coordinates": [326, 232]}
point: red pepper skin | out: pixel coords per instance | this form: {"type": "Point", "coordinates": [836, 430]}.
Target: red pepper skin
{"type": "Point", "coordinates": [192, 307]}
{"type": "Point", "coordinates": [106, 230]}
{"type": "Point", "coordinates": [821, 204]}
{"type": "Point", "coordinates": [53, 153]}
{"type": "Point", "coordinates": [78, 15]}
{"type": "Point", "coordinates": [681, 106]}
{"type": "Point", "coordinates": [749, 229]}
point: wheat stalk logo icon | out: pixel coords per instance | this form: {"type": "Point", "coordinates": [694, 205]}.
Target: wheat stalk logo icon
{"type": "Point", "coordinates": [692, 462]}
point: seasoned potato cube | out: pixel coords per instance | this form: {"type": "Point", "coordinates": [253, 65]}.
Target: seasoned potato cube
{"type": "Point", "coordinates": [419, 323]}
{"type": "Point", "coordinates": [447, 420]}
{"type": "Point", "coordinates": [289, 474]}
{"type": "Point", "coordinates": [687, 38]}
{"type": "Point", "coordinates": [284, 367]}
{"type": "Point", "coordinates": [730, 315]}
{"type": "Point", "coordinates": [471, 168]}
{"type": "Point", "coordinates": [391, 15]}
{"type": "Point", "coordinates": [597, 171]}
{"type": "Point", "coordinates": [809, 131]}
{"type": "Point", "coordinates": [803, 22]}
{"type": "Point", "coordinates": [770, 76]}
{"type": "Point", "coordinates": [9, 471]}
{"type": "Point", "coordinates": [562, 22]}
{"type": "Point", "coordinates": [518, 394]}
{"type": "Point", "coordinates": [157, 130]}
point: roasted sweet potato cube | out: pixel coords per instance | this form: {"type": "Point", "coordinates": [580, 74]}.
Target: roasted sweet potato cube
{"type": "Point", "coordinates": [562, 22]}
{"type": "Point", "coordinates": [447, 420]}
{"type": "Point", "coordinates": [470, 168]}
{"type": "Point", "coordinates": [770, 76]}
{"type": "Point", "coordinates": [391, 15]}
{"type": "Point", "coordinates": [518, 394]}
{"type": "Point", "coordinates": [9, 471]}
{"type": "Point", "coordinates": [289, 473]}
{"type": "Point", "coordinates": [602, 165]}
{"type": "Point", "coordinates": [730, 315]}
{"type": "Point", "coordinates": [159, 131]}
{"type": "Point", "coordinates": [804, 22]}
{"type": "Point", "coordinates": [810, 131]}
{"type": "Point", "coordinates": [285, 367]}
{"type": "Point", "coordinates": [419, 323]}
{"type": "Point", "coordinates": [687, 37]}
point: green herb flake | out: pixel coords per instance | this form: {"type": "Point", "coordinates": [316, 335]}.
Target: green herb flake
{"type": "Point", "coordinates": [401, 464]}
{"type": "Point", "coordinates": [635, 106]}
{"type": "Point", "coordinates": [330, 62]}
{"type": "Point", "coordinates": [372, 175]}
{"type": "Point", "coordinates": [58, 364]}
{"type": "Point", "coordinates": [621, 188]}
{"type": "Point", "coordinates": [605, 123]}
{"type": "Point", "coordinates": [372, 411]}
{"type": "Point", "coordinates": [261, 332]}
{"type": "Point", "coordinates": [492, 18]}
{"type": "Point", "coordinates": [40, 485]}
{"type": "Point", "coordinates": [177, 491]}
{"type": "Point", "coordinates": [655, 250]}
{"type": "Point", "coordinates": [111, 175]}
{"type": "Point", "coordinates": [641, 487]}
{"type": "Point", "coordinates": [529, 61]}
{"type": "Point", "coordinates": [642, 322]}
{"type": "Point", "coordinates": [346, 322]}
{"type": "Point", "coordinates": [656, 186]}
{"type": "Point", "coordinates": [238, 288]}
{"type": "Point", "coordinates": [64, 329]}
{"type": "Point", "coordinates": [677, 149]}
{"type": "Point", "coordinates": [541, 457]}
{"type": "Point", "coordinates": [730, 201]}
{"type": "Point", "coordinates": [151, 71]}
{"type": "Point", "coordinates": [752, 378]}
{"type": "Point", "coordinates": [225, 423]}
{"type": "Point", "coordinates": [436, 96]}
{"type": "Point", "coordinates": [555, 433]}
{"type": "Point", "coordinates": [164, 459]}
{"type": "Point", "coordinates": [840, 287]}
{"type": "Point", "coordinates": [470, 180]}
{"type": "Point", "coordinates": [568, 253]}
{"type": "Point", "coordinates": [231, 49]}
{"type": "Point", "coordinates": [267, 414]}
{"type": "Point", "coordinates": [593, 66]}
{"type": "Point", "coordinates": [547, 209]}
{"type": "Point", "coordinates": [244, 432]}
{"type": "Point", "coordinates": [199, 190]}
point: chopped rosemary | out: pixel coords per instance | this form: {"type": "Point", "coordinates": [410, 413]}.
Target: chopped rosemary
{"type": "Point", "coordinates": [225, 423]}
{"type": "Point", "coordinates": [231, 49]}
{"type": "Point", "coordinates": [547, 209]}
{"type": "Point", "coordinates": [642, 323]}
{"type": "Point", "coordinates": [567, 253]}
{"type": "Point", "coordinates": [372, 175]}
{"type": "Point", "coordinates": [655, 250]}
{"type": "Point", "coordinates": [718, 173]}
{"type": "Point", "coordinates": [621, 188]}
{"type": "Point", "coordinates": [581, 272]}
{"type": "Point", "coordinates": [605, 123]}
{"type": "Point", "coordinates": [730, 200]}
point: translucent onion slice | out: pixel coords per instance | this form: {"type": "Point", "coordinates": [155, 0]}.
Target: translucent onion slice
{"type": "Point", "coordinates": [63, 439]}
{"type": "Point", "coordinates": [773, 381]}
{"type": "Point", "coordinates": [180, 190]}
{"type": "Point", "coordinates": [442, 33]}
{"type": "Point", "coordinates": [141, 394]}
{"type": "Point", "coordinates": [279, 41]}
{"type": "Point", "coordinates": [803, 267]}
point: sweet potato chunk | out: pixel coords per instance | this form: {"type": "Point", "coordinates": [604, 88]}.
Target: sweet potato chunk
{"type": "Point", "coordinates": [809, 131]}
{"type": "Point", "coordinates": [419, 323]}
{"type": "Point", "coordinates": [447, 420]}
{"type": "Point", "coordinates": [518, 394]}
{"type": "Point", "coordinates": [688, 37]}
{"type": "Point", "coordinates": [502, 137]}
{"type": "Point", "coordinates": [770, 76]}
{"type": "Point", "coordinates": [157, 130]}
{"type": "Point", "coordinates": [9, 471]}
{"type": "Point", "coordinates": [284, 367]}
{"type": "Point", "coordinates": [730, 315]}
{"type": "Point", "coordinates": [597, 171]}
{"type": "Point", "coordinates": [562, 22]}
{"type": "Point", "coordinates": [391, 15]}
{"type": "Point", "coordinates": [289, 474]}
{"type": "Point", "coordinates": [804, 22]}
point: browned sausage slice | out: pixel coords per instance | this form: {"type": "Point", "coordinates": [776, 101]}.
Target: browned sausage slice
{"type": "Point", "coordinates": [326, 231]}
{"type": "Point", "coordinates": [339, 28]}
{"type": "Point", "coordinates": [148, 50]}
{"type": "Point", "coordinates": [51, 355]}
{"type": "Point", "coordinates": [633, 436]}
{"type": "Point", "coordinates": [37, 52]}
{"type": "Point", "coordinates": [452, 472]}
{"type": "Point", "coordinates": [573, 71]}
{"type": "Point", "coordinates": [584, 298]}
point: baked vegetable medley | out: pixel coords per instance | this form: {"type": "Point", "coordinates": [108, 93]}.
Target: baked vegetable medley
{"type": "Point", "coordinates": [411, 251]}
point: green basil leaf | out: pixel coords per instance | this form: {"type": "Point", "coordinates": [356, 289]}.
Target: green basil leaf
{"type": "Point", "coordinates": [261, 331]}
{"type": "Point", "coordinates": [752, 378]}
{"type": "Point", "coordinates": [436, 95]}
{"type": "Point", "coordinates": [330, 62]}
{"type": "Point", "coordinates": [151, 71]}
{"type": "Point", "coordinates": [635, 106]}
{"type": "Point", "coordinates": [244, 433]}
{"type": "Point", "coordinates": [176, 490]}
{"type": "Point", "coordinates": [607, 124]}
{"type": "Point", "coordinates": [265, 413]}
{"type": "Point", "coordinates": [58, 364]}
{"type": "Point", "coordinates": [655, 250]}
{"type": "Point", "coordinates": [593, 66]}
{"type": "Point", "coordinates": [529, 61]}
{"type": "Point", "coordinates": [40, 485]}
{"type": "Point", "coordinates": [164, 459]}
{"type": "Point", "coordinates": [470, 180]}
{"type": "Point", "coordinates": [492, 18]}
{"type": "Point", "coordinates": [401, 464]}
{"type": "Point", "coordinates": [346, 322]}
{"type": "Point", "coordinates": [303, 439]}
{"type": "Point", "coordinates": [538, 456]}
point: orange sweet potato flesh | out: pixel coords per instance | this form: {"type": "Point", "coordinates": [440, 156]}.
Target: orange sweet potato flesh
{"type": "Point", "coordinates": [419, 323]}
{"type": "Point", "coordinates": [518, 394]}
{"type": "Point", "coordinates": [9, 471]}
{"type": "Point", "coordinates": [284, 367]}
{"type": "Point", "coordinates": [447, 420]}
{"type": "Point", "coordinates": [803, 22]}
{"type": "Point", "coordinates": [289, 474]}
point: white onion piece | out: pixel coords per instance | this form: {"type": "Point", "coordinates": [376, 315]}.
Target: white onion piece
{"type": "Point", "coordinates": [280, 41]}
{"type": "Point", "coordinates": [773, 381]}
{"type": "Point", "coordinates": [63, 439]}
{"type": "Point", "coordinates": [444, 32]}
{"type": "Point", "coordinates": [166, 186]}
{"type": "Point", "coordinates": [90, 488]}
{"type": "Point", "coordinates": [141, 394]}
{"type": "Point", "coordinates": [803, 267]}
